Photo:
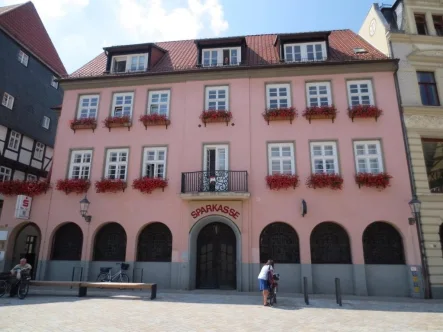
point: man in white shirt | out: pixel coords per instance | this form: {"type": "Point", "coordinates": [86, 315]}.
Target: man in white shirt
{"type": "Point", "coordinates": [263, 280]}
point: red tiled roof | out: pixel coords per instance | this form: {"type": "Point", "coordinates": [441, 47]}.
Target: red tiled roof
{"type": "Point", "coordinates": [260, 50]}
{"type": "Point", "coordinates": [23, 24]}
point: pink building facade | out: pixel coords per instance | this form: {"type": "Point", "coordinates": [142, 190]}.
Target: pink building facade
{"type": "Point", "coordinates": [218, 219]}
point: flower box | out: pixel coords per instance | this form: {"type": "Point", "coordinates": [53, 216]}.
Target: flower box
{"type": "Point", "coordinates": [320, 112]}
{"type": "Point", "coordinates": [78, 186]}
{"type": "Point", "coordinates": [147, 185]}
{"type": "Point", "coordinates": [83, 123]}
{"type": "Point", "coordinates": [110, 185]}
{"type": "Point", "coordinates": [379, 181]}
{"type": "Point", "coordinates": [118, 121]}
{"type": "Point", "coordinates": [28, 188]}
{"type": "Point", "coordinates": [216, 116]}
{"type": "Point", "coordinates": [364, 111]}
{"type": "Point", "coordinates": [282, 181]}
{"type": "Point", "coordinates": [280, 114]}
{"type": "Point", "coordinates": [154, 120]}
{"type": "Point", "coordinates": [324, 180]}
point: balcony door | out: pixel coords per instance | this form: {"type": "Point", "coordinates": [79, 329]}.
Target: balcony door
{"type": "Point", "coordinates": [215, 168]}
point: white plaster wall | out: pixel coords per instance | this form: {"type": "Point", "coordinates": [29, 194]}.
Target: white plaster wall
{"type": "Point", "coordinates": [378, 40]}
{"type": "Point", "coordinates": [49, 152]}
{"type": "Point", "coordinates": [27, 143]}
{"type": "Point", "coordinates": [25, 157]}
{"type": "Point", "coordinates": [11, 155]}
{"type": "Point", "coordinates": [36, 164]}
{"type": "Point", "coordinates": [19, 175]}
{"type": "Point", "coordinates": [3, 131]}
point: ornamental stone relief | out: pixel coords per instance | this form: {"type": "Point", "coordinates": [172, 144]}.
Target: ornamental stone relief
{"type": "Point", "coordinates": [424, 121]}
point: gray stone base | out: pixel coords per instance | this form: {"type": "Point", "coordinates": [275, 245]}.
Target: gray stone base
{"type": "Point", "coordinates": [437, 292]}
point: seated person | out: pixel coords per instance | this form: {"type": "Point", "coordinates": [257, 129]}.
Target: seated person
{"type": "Point", "coordinates": [19, 268]}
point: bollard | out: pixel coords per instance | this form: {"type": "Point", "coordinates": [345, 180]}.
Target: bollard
{"type": "Point", "coordinates": [338, 291]}
{"type": "Point", "coordinates": [305, 290]}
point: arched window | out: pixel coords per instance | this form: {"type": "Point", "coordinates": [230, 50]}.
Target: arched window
{"type": "Point", "coordinates": [279, 242]}
{"type": "Point", "coordinates": [110, 243]}
{"type": "Point", "coordinates": [382, 244]}
{"type": "Point", "coordinates": [155, 243]}
{"type": "Point", "coordinates": [330, 244]}
{"type": "Point", "coordinates": [67, 243]}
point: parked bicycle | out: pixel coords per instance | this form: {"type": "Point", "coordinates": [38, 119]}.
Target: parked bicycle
{"type": "Point", "coordinates": [272, 296]}
{"type": "Point", "coordinates": [106, 275]}
{"type": "Point", "coordinates": [22, 285]}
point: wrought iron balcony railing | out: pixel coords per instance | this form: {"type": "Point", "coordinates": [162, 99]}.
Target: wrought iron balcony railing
{"type": "Point", "coordinates": [214, 181]}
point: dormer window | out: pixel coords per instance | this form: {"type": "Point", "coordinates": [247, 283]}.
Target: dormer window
{"type": "Point", "coordinates": [221, 57]}
{"type": "Point", "coordinates": [129, 63]}
{"type": "Point", "coordinates": [301, 52]}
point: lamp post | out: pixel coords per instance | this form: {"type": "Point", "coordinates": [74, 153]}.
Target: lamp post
{"type": "Point", "coordinates": [84, 206]}
{"type": "Point", "coordinates": [415, 206]}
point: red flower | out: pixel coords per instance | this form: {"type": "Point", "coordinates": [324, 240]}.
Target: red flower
{"type": "Point", "coordinates": [110, 185]}
{"type": "Point", "coordinates": [122, 120]}
{"type": "Point", "coordinates": [282, 181]}
{"type": "Point", "coordinates": [216, 114]}
{"type": "Point", "coordinates": [83, 121]}
{"type": "Point", "coordinates": [153, 118]}
{"type": "Point", "coordinates": [364, 111]}
{"type": "Point", "coordinates": [77, 186]}
{"type": "Point", "coordinates": [327, 111]}
{"type": "Point", "coordinates": [28, 188]}
{"type": "Point", "coordinates": [379, 181]}
{"type": "Point", "coordinates": [283, 112]}
{"type": "Point", "coordinates": [147, 185]}
{"type": "Point", "coordinates": [325, 180]}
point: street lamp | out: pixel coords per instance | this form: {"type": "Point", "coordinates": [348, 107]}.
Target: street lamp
{"type": "Point", "coordinates": [415, 206]}
{"type": "Point", "coordinates": [84, 206]}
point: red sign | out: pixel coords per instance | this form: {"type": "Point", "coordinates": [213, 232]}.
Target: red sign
{"type": "Point", "coordinates": [215, 208]}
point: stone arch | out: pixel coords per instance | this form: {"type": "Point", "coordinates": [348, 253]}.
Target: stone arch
{"type": "Point", "coordinates": [330, 244]}
{"type": "Point", "coordinates": [279, 241]}
{"type": "Point", "coordinates": [154, 243]}
{"type": "Point", "coordinates": [383, 244]}
{"type": "Point", "coordinates": [67, 242]}
{"type": "Point", "coordinates": [110, 243]}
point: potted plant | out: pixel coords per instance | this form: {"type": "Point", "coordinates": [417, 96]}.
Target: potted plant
{"type": "Point", "coordinates": [215, 116]}
{"type": "Point", "coordinates": [364, 111]}
{"type": "Point", "coordinates": [118, 121]}
{"type": "Point", "coordinates": [379, 181]}
{"type": "Point", "coordinates": [282, 181]}
{"type": "Point", "coordinates": [325, 180]}
{"type": "Point", "coordinates": [154, 120]}
{"type": "Point", "coordinates": [78, 186]}
{"type": "Point", "coordinates": [28, 188]}
{"type": "Point", "coordinates": [110, 185]}
{"type": "Point", "coordinates": [278, 114]}
{"type": "Point", "coordinates": [320, 112]}
{"type": "Point", "coordinates": [83, 123]}
{"type": "Point", "coordinates": [147, 185]}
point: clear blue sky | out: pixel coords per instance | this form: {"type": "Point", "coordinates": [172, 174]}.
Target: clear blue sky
{"type": "Point", "coordinates": [81, 28]}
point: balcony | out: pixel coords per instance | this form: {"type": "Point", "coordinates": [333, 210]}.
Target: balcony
{"type": "Point", "coordinates": [215, 185]}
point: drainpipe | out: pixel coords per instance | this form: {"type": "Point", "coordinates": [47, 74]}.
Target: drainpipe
{"type": "Point", "coordinates": [423, 259]}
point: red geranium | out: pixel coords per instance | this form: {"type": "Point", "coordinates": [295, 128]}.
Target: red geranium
{"type": "Point", "coordinates": [28, 188]}
{"type": "Point", "coordinates": [77, 186]}
{"type": "Point", "coordinates": [379, 181]}
{"type": "Point", "coordinates": [117, 120]}
{"type": "Point", "coordinates": [282, 112]}
{"type": "Point", "coordinates": [325, 180]}
{"type": "Point", "coordinates": [326, 111]}
{"type": "Point", "coordinates": [216, 114]}
{"type": "Point", "coordinates": [84, 121]}
{"type": "Point", "coordinates": [110, 185]}
{"type": "Point", "coordinates": [364, 111]}
{"type": "Point", "coordinates": [282, 181]}
{"type": "Point", "coordinates": [147, 185]}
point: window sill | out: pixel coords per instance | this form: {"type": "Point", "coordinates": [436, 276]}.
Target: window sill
{"type": "Point", "coordinates": [423, 110]}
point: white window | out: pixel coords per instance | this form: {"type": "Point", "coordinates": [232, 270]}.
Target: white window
{"type": "Point", "coordinates": [117, 164]}
{"type": "Point", "coordinates": [5, 173]}
{"type": "Point", "coordinates": [46, 122]}
{"type": "Point", "coordinates": [368, 158]}
{"type": "Point", "coordinates": [318, 94]}
{"type": "Point", "coordinates": [39, 150]}
{"type": "Point", "coordinates": [14, 140]}
{"type": "Point", "coordinates": [360, 93]}
{"type": "Point", "coordinates": [88, 107]}
{"type": "Point", "coordinates": [80, 167]}
{"type": "Point", "coordinates": [305, 52]}
{"type": "Point", "coordinates": [158, 102]}
{"type": "Point", "coordinates": [278, 96]}
{"type": "Point", "coordinates": [8, 100]}
{"type": "Point", "coordinates": [154, 162]}
{"type": "Point", "coordinates": [217, 98]}
{"type": "Point", "coordinates": [281, 158]}
{"type": "Point", "coordinates": [54, 83]}
{"type": "Point", "coordinates": [324, 157]}
{"type": "Point", "coordinates": [122, 104]}
{"type": "Point", "coordinates": [130, 63]}
{"type": "Point", "coordinates": [31, 177]}
{"type": "Point", "coordinates": [221, 57]}
{"type": "Point", "coordinates": [23, 58]}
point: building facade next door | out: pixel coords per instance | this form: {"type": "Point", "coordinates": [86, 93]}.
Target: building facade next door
{"type": "Point", "coordinates": [216, 257]}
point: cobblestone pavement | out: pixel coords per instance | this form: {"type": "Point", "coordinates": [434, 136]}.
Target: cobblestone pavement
{"type": "Point", "coordinates": [194, 311]}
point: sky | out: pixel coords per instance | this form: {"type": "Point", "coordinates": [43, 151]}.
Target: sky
{"type": "Point", "coordinates": [80, 29]}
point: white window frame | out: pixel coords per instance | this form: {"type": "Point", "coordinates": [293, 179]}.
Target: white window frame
{"type": "Point", "coordinates": [46, 122]}
{"type": "Point", "coordinates": [39, 151]}
{"type": "Point", "coordinates": [288, 96]}
{"type": "Point", "coordinates": [219, 166]}
{"type": "Point", "coordinates": [5, 173]}
{"type": "Point", "coordinates": [14, 140]}
{"type": "Point", "coordinates": [88, 108]}
{"type": "Point", "coordinates": [128, 59]}
{"type": "Point", "coordinates": [31, 177]}
{"type": "Point", "coordinates": [281, 158]}
{"type": "Point", "coordinates": [84, 165]}
{"type": "Point", "coordinates": [368, 156]}
{"type": "Point", "coordinates": [159, 103]}
{"type": "Point", "coordinates": [324, 157]}
{"type": "Point", "coordinates": [118, 164]}
{"type": "Point", "coordinates": [54, 83]}
{"type": "Point", "coordinates": [304, 51]}
{"type": "Point", "coordinates": [156, 162]}
{"type": "Point", "coordinates": [208, 89]}
{"type": "Point", "coordinates": [219, 56]}
{"type": "Point", "coordinates": [23, 58]}
{"type": "Point", "coordinates": [360, 94]}
{"type": "Point", "coordinates": [122, 94]}
{"type": "Point", "coordinates": [8, 100]}
{"type": "Point", "coordinates": [317, 94]}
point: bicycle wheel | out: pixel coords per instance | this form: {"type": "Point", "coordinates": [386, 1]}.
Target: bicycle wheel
{"type": "Point", "coordinates": [124, 278]}
{"type": "Point", "coordinates": [102, 277]}
{"type": "Point", "coordinates": [3, 287]}
{"type": "Point", "coordinates": [23, 289]}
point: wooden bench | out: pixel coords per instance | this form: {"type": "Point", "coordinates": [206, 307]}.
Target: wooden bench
{"type": "Point", "coordinates": [83, 286]}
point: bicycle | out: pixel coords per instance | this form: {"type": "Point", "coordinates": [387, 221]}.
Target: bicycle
{"type": "Point", "coordinates": [22, 285]}
{"type": "Point", "coordinates": [106, 275]}
{"type": "Point", "coordinates": [272, 296]}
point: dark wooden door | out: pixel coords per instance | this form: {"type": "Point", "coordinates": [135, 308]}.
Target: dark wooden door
{"type": "Point", "coordinates": [216, 257]}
